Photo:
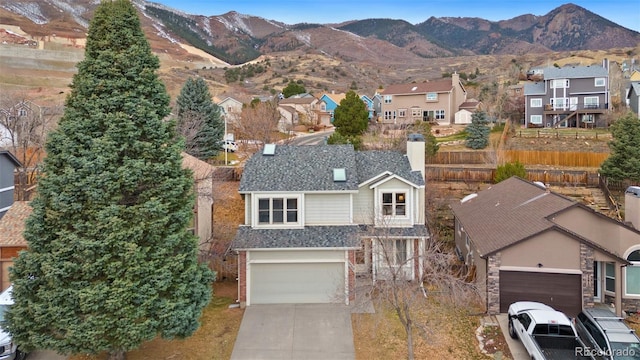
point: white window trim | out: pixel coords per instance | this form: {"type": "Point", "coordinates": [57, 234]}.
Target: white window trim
{"type": "Point", "coordinates": [394, 204]}
{"type": "Point", "coordinates": [432, 96]}
{"type": "Point", "coordinates": [402, 113]}
{"type": "Point", "coordinates": [388, 99]}
{"type": "Point", "coordinates": [601, 80]}
{"type": "Point", "coordinates": [536, 103]}
{"type": "Point", "coordinates": [563, 84]}
{"type": "Point", "coordinates": [439, 114]}
{"type": "Point", "coordinates": [255, 201]}
{"type": "Point", "coordinates": [635, 264]}
{"type": "Point", "coordinates": [607, 291]}
{"type": "Point", "coordinates": [535, 119]}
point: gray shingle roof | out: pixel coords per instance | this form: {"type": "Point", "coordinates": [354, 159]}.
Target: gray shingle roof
{"type": "Point", "coordinates": [508, 212]}
{"type": "Point", "coordinates": [307, 237]}
{"type": "Point", "coordinates": [372, 163]}
{"type": "Point", "coordinates": [393, 232]}
{"type": "Point", "coordinates": [310, 168]}
{"type": "Point", "coordinates": [536, 88]}
{"type": "Point", "coordinates": [575, 72]}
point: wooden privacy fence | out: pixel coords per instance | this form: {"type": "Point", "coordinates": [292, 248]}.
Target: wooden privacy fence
{"type": "Point", "coordinates": [525, 157]}
{"type": "Point", "coordinates": [487, 174]}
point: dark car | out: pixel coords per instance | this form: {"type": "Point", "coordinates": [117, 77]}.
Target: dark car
{"type": "Point", "coordinates": [607, 336]}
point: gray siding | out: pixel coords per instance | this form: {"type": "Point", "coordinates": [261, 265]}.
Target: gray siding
{"type": "Point", "coordinates": [363, 206]}
{"type": "Point", "coordinates": [327, 209]}
{"type": "Point", "coordinates": [6, 172]}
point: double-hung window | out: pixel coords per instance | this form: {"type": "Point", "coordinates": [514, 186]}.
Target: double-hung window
{"type": "Point", "coordinates": [394, 204]}
{"type": "Point", "coordinates": [387, 99]}
{"type": "Point", "coordinates": [439, 114]}
{"type": "Point", "coordinates": [278, 211]}
{"type": "Point", "coordinates": [432, 96]}
{"type": "Point", "coordinates": [599, 82]}
{"type": "Point", "coordinates": [536, 102]}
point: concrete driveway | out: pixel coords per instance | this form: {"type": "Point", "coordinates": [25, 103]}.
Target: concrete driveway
{"type": "Point", "coordinates": [518, 352]}
{"type": "Point", "coordinates": [304, 331]}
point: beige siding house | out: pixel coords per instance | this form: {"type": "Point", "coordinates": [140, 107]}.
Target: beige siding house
{"type": "Point", "coordinates": [523, 242]}
{"type": "Point", "coordinates": [433, 101]}
{"type": "Point", "coordinates": [318, 217]}
{"type": "Point", "coordinates": [203, 176]}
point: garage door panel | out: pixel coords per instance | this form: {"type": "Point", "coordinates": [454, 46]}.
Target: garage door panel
{"type": "Point", "coordinates": [277, 283]}
{"type": "Point", "coordinates": [560, 291]}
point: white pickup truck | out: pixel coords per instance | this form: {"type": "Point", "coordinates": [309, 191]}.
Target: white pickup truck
{"type": "Point", "coordinates": [546, 333]}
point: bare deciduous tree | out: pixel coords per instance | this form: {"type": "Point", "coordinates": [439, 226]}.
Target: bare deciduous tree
{"type": "Point", "coordinates": [188, 127]}
{"type": "Point", "coordinates": [24, 126]}
{"type": "Point", "coordinates": [258, 124]}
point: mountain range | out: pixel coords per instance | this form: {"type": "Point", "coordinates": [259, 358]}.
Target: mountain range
{"type": "Point", "coordinates": [239, 38]}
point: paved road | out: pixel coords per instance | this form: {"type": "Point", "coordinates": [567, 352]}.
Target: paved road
{"type": "Point", "coordinates": [305, 331]}
{"type": "Point", "coordinates": [312, 138]}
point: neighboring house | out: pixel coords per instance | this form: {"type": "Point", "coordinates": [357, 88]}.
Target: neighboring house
{"type": "Point", "coordinates": [202, 225]}
{"type": "Point", "coordinates": [368, 102]}
{"type": "Point", "coordinates": [22, 109]}
{"type": "Point", "coordinates": [307, 108]}
{"type": "Point", "coordinates": [231, 109]}
{"type": "Point", "coordinates": [433, 101]}
{"type": "Point", "coordinates": [525, 243]}
{"type": "Point", "coordinates": [11, 239]}
{"type": "Point", "coordinates": [318, 216]}
{"type": "Point", "coordinates": [635, 75]}
{"type": "Point", "coordinates": [289, 118]}
{"type": "Point", "coordinates": [467, 108]}
{"type": "Point", "coordinates": [8, 165]}
{"type": "Point", "coordinates": [633, 98]}
{"type": "Point", "coordinates": [515, 90]}
{"type": "Point", "coordinates": [377, 105]}
{"type": "Point", "coordinates": [572, 96]}
{"type": "Point", "coordinates": [331, 102]}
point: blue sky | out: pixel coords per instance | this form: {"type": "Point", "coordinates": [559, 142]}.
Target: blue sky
{"type": "Point", "coordinates": [622, 12]}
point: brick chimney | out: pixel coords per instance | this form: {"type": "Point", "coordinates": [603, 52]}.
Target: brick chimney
{"type": "Point", "coordinates": [415, 152]}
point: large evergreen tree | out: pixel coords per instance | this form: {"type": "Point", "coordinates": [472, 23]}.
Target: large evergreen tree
{"type": "Point", "coordinates": [351, 117]}
{"type": "Point", "coordinates": [478, 131]}
{"type": "Point", "coordinates": [110, 263]}
{"type": "Point", "coordinates": [624, 161]}
{"type": "Point", "coordinates": [199, 119]}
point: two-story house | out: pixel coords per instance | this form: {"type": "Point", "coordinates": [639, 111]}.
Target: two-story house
{"type": "Point", "coordinates": [522, 242]}
{"type": "Point", "coordinates": [331, 102]}
{"type": "Point", "coordinates": [318, 216]}
{"type": "Point", "coordinates": [304, 110]}
{"type": "Point", "coordinates": [433, 101]}
{"type": "Point", "coordinates": [571, 96]}
{"type": "Point", "coordinates": [8, 164]}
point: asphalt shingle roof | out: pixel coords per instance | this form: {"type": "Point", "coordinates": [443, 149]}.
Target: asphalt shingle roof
{"type": "Point", "coordinates": [536, 88]}
{"type": "Point", "coordinates": [12, 224]}
{"type": "Point", "coordinates": [575, 72]}
{"type": "Point", "coordinates": [418, 88]}
{"type": "Point", "coordinates": [508, 212]}
{"type": "Point", "coordinates": [307, 237]}
{"type": "Point", "coordinates": [310, 168]}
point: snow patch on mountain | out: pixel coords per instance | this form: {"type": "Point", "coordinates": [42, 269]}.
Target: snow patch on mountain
{"type": "Point", "coordinates": [31, 11]}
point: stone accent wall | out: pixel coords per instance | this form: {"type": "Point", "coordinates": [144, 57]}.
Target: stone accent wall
{"type": "Point", "coordinates": [242, 278]}
{"type": "Point", "coordinates": [351, 254]}
{"type": "Point", "coordinates": [493, 283]}
{"type": "Point", "coordinates": [630, 306]}
{"type": "Point", "coordinates": [586, 266]}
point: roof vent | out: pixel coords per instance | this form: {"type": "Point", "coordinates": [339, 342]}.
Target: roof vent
{"type": "Point", "coordinates": [414, 88]}
{"type": "Point", "coordinates": [269, 149]}
{"type": "Point", "coordinates": [339, 174]}
{"type": "Point", "coordinates": [540, 185]}
{"type": "Point", "coordinates": [468, 197]}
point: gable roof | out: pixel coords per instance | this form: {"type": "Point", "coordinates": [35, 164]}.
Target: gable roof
{"type": "Point", "coordinates": [11, 157]}
{"type": "Point", "coordinates": [201, 169]}
{"type": "Point", "coordinates": [575, 72]}
{"type": "Point", "coordinates": [470, 104]}
{"type": "Point", "coordinates": [444, 85]}
{"type": "Point", "coordinates": [635, 87]}
{"type": "Point", "coordinates": [310, 168]}
{"type": "Point", "coordinates": [508, 212]}
{"type": "Point", "coordinates": [12, 224]}
{"type": "Point", "coordinates": [302, 100]}
{"type": "Point", "coordinates": [536, 88]}
{"type": "Point", "coordinates": [336, 98]}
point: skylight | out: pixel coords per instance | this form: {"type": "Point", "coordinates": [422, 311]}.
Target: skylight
{"type": "Point", "coordinates": [339, 174]}
{"type": "Point", "coordinates": [269, 149]}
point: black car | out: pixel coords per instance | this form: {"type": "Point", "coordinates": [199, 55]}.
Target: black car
{"type": "Point", "coordinates": [606, 335]}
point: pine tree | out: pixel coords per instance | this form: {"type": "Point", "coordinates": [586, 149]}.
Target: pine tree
{"type": "Point", "coordinates": [199, 120]}
{"type": "Point", "coordinates": [478, 131]}
{"type": "Point", "coordinates": [624, 161]}
{"type": "Point", "coordinates": [351, 117]}
{"type": "Point", "coordinates": [110, 261]}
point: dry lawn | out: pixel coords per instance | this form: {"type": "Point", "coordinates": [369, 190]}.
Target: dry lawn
{"type": "Point", "coordinates": [213, 340]}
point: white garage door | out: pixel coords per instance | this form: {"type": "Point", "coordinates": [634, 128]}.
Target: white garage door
{"type": "Point", "coordinates": [290, 283]}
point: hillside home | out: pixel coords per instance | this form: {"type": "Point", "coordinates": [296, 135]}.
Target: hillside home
{"type": "Point", "coordinates": [531, 244]}
{"type": "Point", "coordinates": [572, 96]}
{"type": "Point", "coordinates": [22, 109]}
{"type": "Point", "coordinates": [305, 109]}
{"type": "Point", "coordinates": [368, 102]}
{"type": "Point", "coordinates": [289, 118]}
{"type": "Point", "coordinates": [317, 217]}
{"type": "Point", "coordinates": [12, 241]}
{"type": "Point", "coordinates": [432, 101]}
{"type": "Point", "coordinates": [8, 165]}
{"type": "Point", "coordinates": [231, 109]}
{"type": "Point", "coordinates": [633, 98]}
{"type": "Point", "coordinates": [331, 102]}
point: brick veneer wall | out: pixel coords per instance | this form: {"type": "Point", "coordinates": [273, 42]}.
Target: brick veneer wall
{"type": "Point", "coordinates": [493, 283]}
{"type": "Point", "coordinates": [242, 278]}
{"type": "Point", "coordinates": [586, 266]}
